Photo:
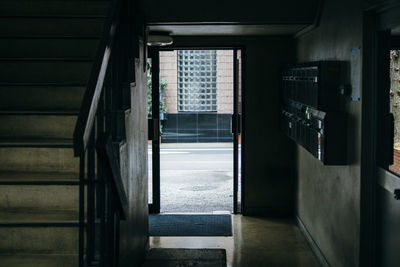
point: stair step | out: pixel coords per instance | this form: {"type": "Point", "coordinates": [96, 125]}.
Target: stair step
{"type": "Point", "coordinates": [38, 260]}
{"type": "Point", "coordinates": [51, 27]}
{"type": "Point", "coordinates": [41, 97]}
{"type": "Point", "coordinates": [37, 126]}
{"type": "Point", "coordinates": [36, 143]}
{"type": "Point", "coordinates": [48, 48]}
{"type": "Point", "coordinates": [32, 156]}
{"type": "Point", "coordinates": [17, 177]}
{"type": "Point", "coordinates": [17, 72]}
{"type": "Point", "coordinates": [30, 199]}
{"type": "Point", "coordinates": [25, 216]}
{"type": "Point", "coordinates": [39, 239]}
{"type": "Point", "coordinates": [54, 8]}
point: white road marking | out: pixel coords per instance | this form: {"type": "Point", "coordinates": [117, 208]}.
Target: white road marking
{"type": "Point", "coordinates": [194, 149]}
{"type": "Point", "coordinates": [171, 152]}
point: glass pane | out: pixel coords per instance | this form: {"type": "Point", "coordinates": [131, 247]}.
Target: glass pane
{"type": "Point", "coordinates": [395, 107]}
{"type": "Point", "coordinates": [195, 80]}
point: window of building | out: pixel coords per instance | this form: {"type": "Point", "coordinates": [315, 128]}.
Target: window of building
{"type": "Point", "coordinates": [197, 80]}
{"type": "Point", "coordinates": [395, 107]}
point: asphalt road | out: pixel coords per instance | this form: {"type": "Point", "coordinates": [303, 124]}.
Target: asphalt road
{"type": "Point", "coordinates": [196, 178]}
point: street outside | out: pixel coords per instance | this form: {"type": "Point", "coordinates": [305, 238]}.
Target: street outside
{"type": "Point", "coordinates": [196, 177]}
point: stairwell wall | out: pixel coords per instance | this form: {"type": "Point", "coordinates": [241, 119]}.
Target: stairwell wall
{"type": "Point", "coordinates": [328, 197]}
{"type": "Point", "coordinates": [134, 231]}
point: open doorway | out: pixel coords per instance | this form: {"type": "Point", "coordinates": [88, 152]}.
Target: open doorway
{"type": "Point", "coordinates": [196, 148]}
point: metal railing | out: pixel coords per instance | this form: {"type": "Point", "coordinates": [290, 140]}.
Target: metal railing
{"type": "Point", "coordinates": [99, 129]}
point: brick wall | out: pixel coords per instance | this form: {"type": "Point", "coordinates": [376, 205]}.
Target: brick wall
{"type": "Point", "coordinates": [396, 162]}
{"type": "Point", "coordinates": [225, 81]}
{"type": "Point", "coordinates": [169, 72]}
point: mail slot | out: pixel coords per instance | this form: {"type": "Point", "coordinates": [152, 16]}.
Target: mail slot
{"type": "Point", "coordinates": [315, 84]}
{"type": "Point", "coordinates": [323, 134]}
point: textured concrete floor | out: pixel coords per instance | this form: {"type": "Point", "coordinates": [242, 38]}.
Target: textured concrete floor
{"type": "Point", "coordinates": [196, 177]}
{"type": "Point", "coordinates": [173, 257]}
{"type": "Point", "coordinates": [255, 242]}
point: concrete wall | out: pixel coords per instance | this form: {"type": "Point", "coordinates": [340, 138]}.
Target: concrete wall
{"type": "Point", "coordinates": [328, 197]}
{"type": "Point", "coordinates": [273, 12]}
{"type": "Point", "coordinates": [268, 182]}
{"type": "Point", "coordinates": [134, 231]}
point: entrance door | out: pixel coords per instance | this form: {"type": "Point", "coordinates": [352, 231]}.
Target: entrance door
{"type": "Point", "coordinates": [192, 102]}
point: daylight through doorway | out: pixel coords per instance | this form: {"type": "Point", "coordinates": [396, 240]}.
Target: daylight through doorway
{"type": "Point", "coordinates": [196, 130]}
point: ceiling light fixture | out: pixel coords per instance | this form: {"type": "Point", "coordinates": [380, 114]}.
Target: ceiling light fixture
{"type": "Point", "coordinates": [159, 39]}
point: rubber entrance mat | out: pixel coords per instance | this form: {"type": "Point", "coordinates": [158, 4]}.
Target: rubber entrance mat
{"type": "Point", "coordinates": [172, 257]}
{"type": "Point", "coordinates": [190, 225]}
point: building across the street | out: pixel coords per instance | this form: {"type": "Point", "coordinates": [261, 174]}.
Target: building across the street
{"type": "Point", "coordinates": [198, 96]}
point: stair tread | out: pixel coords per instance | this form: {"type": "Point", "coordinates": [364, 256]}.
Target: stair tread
{"type": "Point", "coordinates": [21, 177]}
{"type": "Point", "coordinates": [40, 112]}
{"type": "Point", "coordinates": [39, 259]}
{"type": "Point", "coordinates": [49, 84]}
{"type": "Point", "coordinates": [36, 142]}
{"type": "Point", "coordinates": [62, 59]}
{"type": "Point", "coordinates": [51, 26]}
{"type": "Point", "coordinates": [37, 216]}
{"type": "Point", "coordinates": [54, 8]}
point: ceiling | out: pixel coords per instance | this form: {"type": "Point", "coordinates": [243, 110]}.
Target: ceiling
{"type": "Point", "coordinates": [396, 31]}
{"type": "Point", "coordinates": [228, 30]}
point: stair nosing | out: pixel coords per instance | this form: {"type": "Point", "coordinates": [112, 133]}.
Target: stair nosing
{"type": "Point", "coordinates": [39, 183]}
{"type": "Point", "coordinates": [41, 224]}
{"type": "Point", "coordinates": [43, 59]}
{"type": "Point", "coordinates": [38, 178]}
{"type": "Point", "coordinates": [53, 16]}
{"type": "Point", "coordinates": [39, 112]}
{"type": "Point", "coordinates": [41, 85]}
{"type": "Point", "coordinates": [44, 84]}
{"type": "Point", "coordinates": [37, 143]}
{"type": "Point", "coordinates": [50, 37]}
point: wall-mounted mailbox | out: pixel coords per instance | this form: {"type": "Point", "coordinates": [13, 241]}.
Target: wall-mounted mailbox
{"type": "Point", "coordinates": [315, 84]}
{"type": "Point", "coordinates": [307, 115]}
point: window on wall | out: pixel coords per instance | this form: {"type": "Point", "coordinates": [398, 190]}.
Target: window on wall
{"type": "Point", "coordinates": [395, 107]}
{"type": "Point", "coordinates": [197, 80]}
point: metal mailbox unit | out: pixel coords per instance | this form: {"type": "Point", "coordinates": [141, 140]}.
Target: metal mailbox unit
{"type": "Point", "coordinates": [310, 110]}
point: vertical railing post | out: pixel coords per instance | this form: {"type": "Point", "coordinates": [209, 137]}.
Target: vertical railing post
{"type": "Point", "coordinates": [81, 210]}
{"type": "Point", "coordinates": [90, 225]}
{"type": "Point", "coordinates": [102, 215]}
{"type": "Point", "coordinates": [109, 234]}
{"type": "Point", "coordinates": [117, 231]}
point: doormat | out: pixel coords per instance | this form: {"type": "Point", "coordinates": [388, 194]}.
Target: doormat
{"type": "Point", "coordinates": [182, 257]}
{"type": "Point", "coordinates": [190, 225]}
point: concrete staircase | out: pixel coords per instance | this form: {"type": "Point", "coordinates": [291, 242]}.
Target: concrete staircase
{"type": "Point", "coordinates": [46, 54]}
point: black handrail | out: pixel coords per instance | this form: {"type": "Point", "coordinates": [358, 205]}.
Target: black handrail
{"type": "Point", "coordinates": [106, 200]}
{"type": "Point", "coordinates": [94, 87]}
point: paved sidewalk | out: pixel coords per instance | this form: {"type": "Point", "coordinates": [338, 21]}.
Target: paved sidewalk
{"type": "Point", "coordinates": [196, 177]}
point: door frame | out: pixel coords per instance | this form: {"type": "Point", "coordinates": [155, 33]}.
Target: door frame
{"type": "Point", "coordinates": [238, 127]}
{"type": "Point", "coordinates": [154, 55]}
{"type": "Point", "coordinates": [375, 22]}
